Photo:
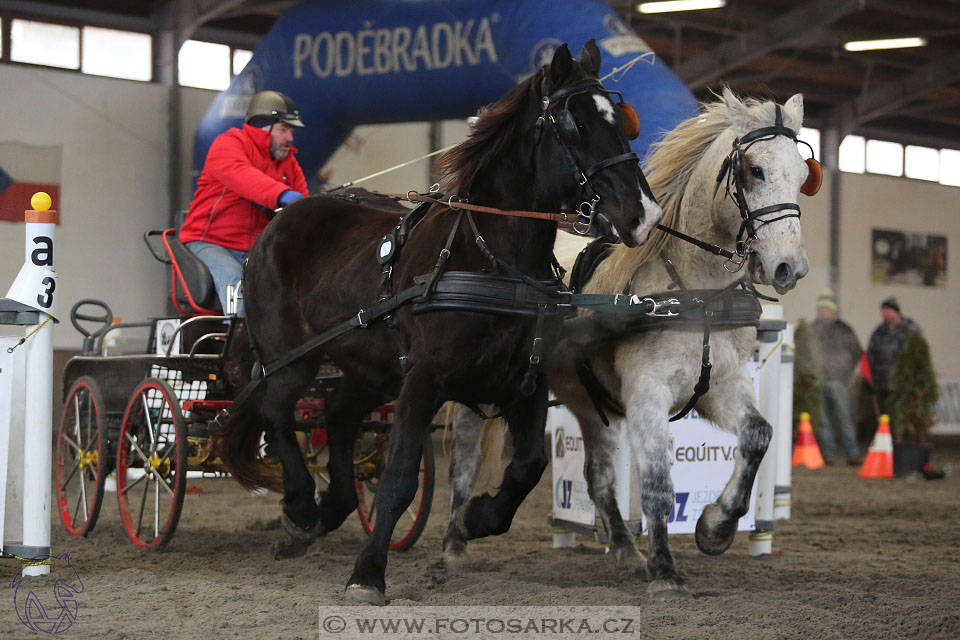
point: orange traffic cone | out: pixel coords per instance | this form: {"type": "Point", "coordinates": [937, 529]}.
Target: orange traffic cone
{"type": "Point", "coordinates": [879, 460]}
{"type": "Point", "coordinates": [806, 451]}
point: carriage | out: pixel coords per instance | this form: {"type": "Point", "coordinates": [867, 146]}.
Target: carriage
{"type": "Point", "coordinates": [142, 409]}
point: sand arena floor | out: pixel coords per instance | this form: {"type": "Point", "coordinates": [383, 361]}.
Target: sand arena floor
{"type": "Point", "coordinates": [871, 559]}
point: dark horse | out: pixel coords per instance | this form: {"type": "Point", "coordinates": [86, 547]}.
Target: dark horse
{"type": "Point", "coordinates": [552, 142]}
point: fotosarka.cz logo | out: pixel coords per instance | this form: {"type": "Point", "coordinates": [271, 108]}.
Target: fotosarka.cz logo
{"type": "Point", "coordinates": [44, 606]}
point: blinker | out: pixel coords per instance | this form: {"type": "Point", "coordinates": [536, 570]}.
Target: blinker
{"type": "Point", "coordinates": [631, 122]}
{"type": "Point", "coordinates": [814, 179]}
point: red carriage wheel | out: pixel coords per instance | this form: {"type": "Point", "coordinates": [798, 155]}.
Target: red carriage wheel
{"type": "Point", "coordinates": [152, 464]}
{"type": "Point", "coordinates": [369, 461]}
{"type": "Point", "coordinates": [81, 457]}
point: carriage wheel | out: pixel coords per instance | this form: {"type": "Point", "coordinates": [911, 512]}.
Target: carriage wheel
{"type": "Point", "coordinates": [369, 461]}
{"type": "Point", "coordinates": [152, 464]}
{"type": "Point", "coordinates": [81, 463]}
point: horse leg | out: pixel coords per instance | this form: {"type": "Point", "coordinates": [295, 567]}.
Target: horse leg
{"type": "Point", "coordinates": [467, 433]}
{"type": "Point", "coordinates": [300, 514]}
{"type": "Point", "coordinates": [415, 408]}
{"type": "Point", "coordinates": [731, 406]}
{"type": "Point", "coordinates": [600, 445]}
{"type": "Point", "coordinates": [492, 514]}
{"type": "Point", "coordinates": [343, 415]}
{"type": "Point", "coordinates": [649, 434]}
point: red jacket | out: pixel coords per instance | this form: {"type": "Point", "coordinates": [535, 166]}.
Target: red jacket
{"type": "Point", "coordinates": [239, 172]}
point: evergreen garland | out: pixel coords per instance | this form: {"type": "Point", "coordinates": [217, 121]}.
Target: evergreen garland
{"type": "Point", "coordinates": [914, 393]}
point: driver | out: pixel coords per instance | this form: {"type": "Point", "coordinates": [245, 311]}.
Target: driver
{"type": "Point", "coordinates": [248, 173]}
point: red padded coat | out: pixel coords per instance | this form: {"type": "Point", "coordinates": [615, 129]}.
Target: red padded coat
{"type": "Point", "coordinates": [239, 172]}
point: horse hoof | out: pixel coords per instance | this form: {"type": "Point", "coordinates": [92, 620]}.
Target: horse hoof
{"type": "Point", "coordinates": [455, 554]}
{"type": "Point", "coordinates": [364, 595]}
{"type": "Point", "coordinates": [298, 540]}
{"type": "Point", "coordinates": [715, 532]}
{"type": "Point", "coordinates": [630, 563]}
{"type": "Point", "coordinates": [667, 589]}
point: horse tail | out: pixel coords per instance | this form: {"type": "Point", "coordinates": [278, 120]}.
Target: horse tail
{"type": "Point", "coordinates": [239, 446]}
{"type": "Point", "coordinates": [489, 469]}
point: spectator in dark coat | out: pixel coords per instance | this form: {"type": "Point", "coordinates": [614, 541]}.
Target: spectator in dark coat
{"type": "Point", "coordinates": [840, 354]}
{"type": "Point", "coordinates": [886, 343]}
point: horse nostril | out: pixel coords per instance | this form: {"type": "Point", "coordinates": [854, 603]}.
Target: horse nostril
{"type": "Point", "coordinates": [783, 273]}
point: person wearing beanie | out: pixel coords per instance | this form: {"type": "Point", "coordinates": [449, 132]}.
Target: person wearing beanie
{"type": "Point", "coordinates": [886, 343]}
{"type": "Point", "coordinates": [249, 172]}
{"type": "Point", "coordinates": [840, 354]}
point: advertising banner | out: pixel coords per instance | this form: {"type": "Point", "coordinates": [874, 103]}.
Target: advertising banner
{"type": "Point", "coordinates": [702, 463]}
{"type": "Point", "coordinates": [349, 63]}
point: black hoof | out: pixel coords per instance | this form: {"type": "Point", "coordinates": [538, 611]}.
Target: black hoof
{"type": "Point", "coordinates": [298, 540]}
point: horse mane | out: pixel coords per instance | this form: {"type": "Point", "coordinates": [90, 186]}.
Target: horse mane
{"type": "Point", "coordinates": [669, 167]}
{"type": "Point", "coordinates": [496, 127]}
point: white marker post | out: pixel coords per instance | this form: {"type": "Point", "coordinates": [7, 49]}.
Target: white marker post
{"type": "Point", "coordinates": [770, 336]}
{"type": "Point", "coordinates": [782, 497]}
{"type": "Point", "coordinates": [31, 302]}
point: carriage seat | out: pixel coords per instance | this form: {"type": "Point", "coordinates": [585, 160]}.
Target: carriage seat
{"type": "Point", "coordinates": [192, 289]}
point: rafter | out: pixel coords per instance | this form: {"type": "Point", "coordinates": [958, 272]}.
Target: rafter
{"type": "Point", "coordinates": [890, 96]}
{"type": "Point", "coordinates": [785, 31]}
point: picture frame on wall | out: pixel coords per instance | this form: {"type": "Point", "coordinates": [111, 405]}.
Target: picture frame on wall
{"type": "Point", "coordinates": [901, 257]}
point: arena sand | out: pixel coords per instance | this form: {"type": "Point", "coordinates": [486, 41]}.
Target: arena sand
{"type": "Point", "coordinates": [871, 559]}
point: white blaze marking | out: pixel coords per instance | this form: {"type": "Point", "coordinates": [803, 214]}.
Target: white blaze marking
{"type": "Point", "coordinates": [604, 106]}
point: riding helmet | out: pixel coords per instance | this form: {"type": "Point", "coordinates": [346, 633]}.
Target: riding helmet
{"type": "Point", "coordinates": [268, 107]}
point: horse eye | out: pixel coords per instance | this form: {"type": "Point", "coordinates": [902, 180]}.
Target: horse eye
{"type": "Point", "coordinates": [757, 172]}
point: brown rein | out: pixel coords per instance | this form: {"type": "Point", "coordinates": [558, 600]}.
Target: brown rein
{"type": "Point", "coordinates": [562, 219]}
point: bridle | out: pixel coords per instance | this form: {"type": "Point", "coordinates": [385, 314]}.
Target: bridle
{"type": "Point", "coordinates": [564, 128]}
{"type": "Point", "coordinates": [734, 168]}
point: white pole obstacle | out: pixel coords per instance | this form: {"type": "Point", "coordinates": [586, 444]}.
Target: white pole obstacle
{"type": "Point", "coordinates": [784, 426]}
{"type": "Point", "coordinates": [761, 539]}
{"type": "Point", "coordinates": [31, 301]}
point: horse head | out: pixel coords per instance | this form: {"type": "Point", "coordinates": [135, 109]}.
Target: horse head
{"type": "Point", "coordinates": [758, 186]}
{"type": "Point", "coordinates": [584, 164]}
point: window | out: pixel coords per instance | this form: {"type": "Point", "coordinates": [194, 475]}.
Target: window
{"type": "Point", "coordinates": [117, 54]}
{"type": "Point", "coordinates": [811, 137]}
{"type": "Point", "coordinates": [204, 65]}
{"type": "Point", "coordinates": [54, 45]}
{"type": "Point", "coordinates": [852, 154]}
{"type": "Point", "coordinates": [240, 59]}
{"type": "Point", "coordinates": [885, 157]}
{"type": "Point", "coordinates": [950, 167]}
{"type": "Point", "coordinates": [922, 163]}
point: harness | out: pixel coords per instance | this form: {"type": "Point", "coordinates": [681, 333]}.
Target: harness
{"type": "Point", "coordinates": [502, 290]}
{"type": "Point", "coordinates": [734, 169]}
{"type": "Point", "coordinates": [734, 306]}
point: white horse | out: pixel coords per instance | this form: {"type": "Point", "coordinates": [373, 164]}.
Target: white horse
{"type": "Point", "coordinates": [729, 177]}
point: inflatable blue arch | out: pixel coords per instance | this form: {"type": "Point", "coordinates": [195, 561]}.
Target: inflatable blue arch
{"type": "Point", "coordinates": [356, 62]}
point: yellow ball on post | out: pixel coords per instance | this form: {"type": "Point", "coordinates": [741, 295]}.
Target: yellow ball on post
{"type": "Point", "coordinates": [40, 201]}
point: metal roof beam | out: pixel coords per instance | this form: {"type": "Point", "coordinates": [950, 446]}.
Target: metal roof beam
{"type": "Point", "coordinates": [785, 31]}
{"type": "Point", "coordinates": [890, 96]}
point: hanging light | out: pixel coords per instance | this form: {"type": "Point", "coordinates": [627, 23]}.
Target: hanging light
{"type": "Point", "coordinates": [667, 6]}
{"type": "Point", "coordinates": [888, 43]}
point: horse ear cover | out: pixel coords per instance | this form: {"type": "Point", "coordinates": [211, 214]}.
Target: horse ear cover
{"type": "Point", "coordinates": [814, 179]}
{"type": "Point", "coordinates": [631, 123]}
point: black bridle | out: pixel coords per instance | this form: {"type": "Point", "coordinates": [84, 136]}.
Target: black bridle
{"type": "Point", "coordinates": [564, 127]}
{"type": "Point", "coordinates": [734, 168]}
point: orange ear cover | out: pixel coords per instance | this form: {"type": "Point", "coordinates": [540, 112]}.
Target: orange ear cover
{"type": "Point", "coordinates": [814, 179]}
{"type": "Point", "coordinates": [631, 123]}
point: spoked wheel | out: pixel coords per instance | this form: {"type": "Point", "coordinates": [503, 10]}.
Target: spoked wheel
{"type": "Point", "coordinates": [81, 462]}
{"type": "Point", "coordinates": [370, 459]}
{"type": "Point", "coordinates": [152, 464]}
